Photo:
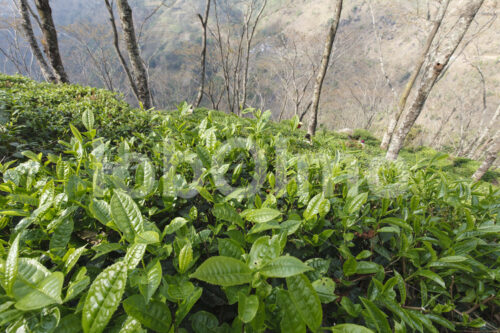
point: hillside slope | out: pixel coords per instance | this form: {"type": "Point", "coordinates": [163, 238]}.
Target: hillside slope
{"type": "Point", "coordinates": [28, 107]}
{"type": "Point", "coordinates": [355, 89]}
{"type": "Point", "coordinates": [125, 220]}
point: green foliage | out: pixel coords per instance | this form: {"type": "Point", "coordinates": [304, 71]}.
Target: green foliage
{"type": "Point", "coordinates": [100, 238]}
{"type": "Point", "coordinates": [34, 116]}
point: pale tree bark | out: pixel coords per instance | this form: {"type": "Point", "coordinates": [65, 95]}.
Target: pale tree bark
{"type": "Point", "coordinates": [50, 42]}
{"type": "Point", "coordinates": [249, 35]}
{"type": "Point", "coordinates": [437, 61]}
{"type": "Point", "coordinates": [47, 72]}
{"type": "Point", "coordinates": [393, 123]}
{"type": "Point", "coordinates": [491, 156]}
{"type": "Point", "coordinates": [204, 22]}
{"type": "Point", "coordinates": [116, 44]}
{"type": "Point", "coordinates": [138, 66]}
{"type": "Point", "coordinates": [485, 132]}
{"type": "Point", "coordinates": [313, 121]}
{"type": "Point", "coordinates": [224, 57]}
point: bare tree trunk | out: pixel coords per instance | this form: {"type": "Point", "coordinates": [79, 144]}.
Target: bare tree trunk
{"type": "Point", "coordinates": [437, 61]}
{"type": "Point", "coordinates": [116, 44]}
{"type": "Point", "coordinates": [441, 127]}
{"type": "Point", "coordinates": [473, 142]}
{"type": "Point", "coordinates": [138, 67]}
{"type": "Point", "coordinates": [204, 22]}
{"type": "Point", "coordinates": [484, 134]}
{"type": "Point", "coordinates": [313, 121]}
{"type": "Point", "coordinates": [224, 58]}
{"type": "Point", "coordinates": [47, 72]}
{"type": "Point", "coordinates": [491, 156]}
{"type": "Point", "coordinates": [393, 123]}
{"type": "Point", "coordinates": [50, 43]}
{"type": "Point", "coordinates": [305, 111]}
{"type": "Point", "coordinates": [380, 54]}
{"type": "Point", "coordinates": [250, 33]}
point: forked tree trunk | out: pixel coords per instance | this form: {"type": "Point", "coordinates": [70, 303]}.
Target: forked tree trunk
{"type": "Point", "coordinates": [204, 22]}
{"type": "Point", "coordinates": [50, 42]}
{"type": "Point", "coordinates": [313, 121]}
{"type": "Point", "coordinates": [393, 123]}
{"type": "Point", "coordinates": [491, 156]}
{"type": "Point", "coordinates": [438, 60]}
{"type": "Point", "coordinates": [249, 33]}
{"type": "Point", "coordinates": [47, 72]}
{"type": "Point", "coordinates": [138, 67]}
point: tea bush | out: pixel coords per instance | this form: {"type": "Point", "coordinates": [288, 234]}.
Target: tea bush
{"type": "Point", "coordinates": [212, 223]}
{"type": "Point", "coordinates": [36, 115]}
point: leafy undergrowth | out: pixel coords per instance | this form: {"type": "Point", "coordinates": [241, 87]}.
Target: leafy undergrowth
{"type": "Point", "coordinates": [204, 222]}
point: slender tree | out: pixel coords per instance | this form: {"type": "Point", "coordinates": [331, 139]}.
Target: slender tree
{"type": "Point", "coordinates": [484, 134]}
{"type": "Point", "coordinates": [445, 121]}
{"type": "Point", "coordinates": [386, 140]}
{"type": "Point", "coordinates": [204, 24]}
{"type": "Point", "coordinates": [249, 32]}
{"type": "Point", "coordinates": [491, 157]}
{"type": "Point", "coordinates": [47, 72]}
{"type": "Point", "coordinates": [330, 38]}
{"type": "Point", "coordinates": [437, 61]}
{"type": "Point", "coordinates": [50, 42]}
{"type": "Point", "coordinates": [138, 66]}
{"type": "Point", "coordinates": [116, 44]}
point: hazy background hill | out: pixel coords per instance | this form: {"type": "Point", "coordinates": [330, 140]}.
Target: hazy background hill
{"type": "Point", "coordinates": [291, 36]}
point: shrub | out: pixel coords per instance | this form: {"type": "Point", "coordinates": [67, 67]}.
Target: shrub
{"type": "Point", "coordinates": [104, 239]}
{"type": "Point", "coordinates": [35, 116]}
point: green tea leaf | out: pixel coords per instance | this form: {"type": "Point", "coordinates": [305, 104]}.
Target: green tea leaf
{"type": "Point", "coordinates": [186, 306]}
{"type": "Point", "coordinates": [69, 324]}
{"type": "Point", "coordinates": [227, 213]}
{"type": "Point", "coordinates": [88, 119]}
{"type": "Point", "coordinates": [185, 258]}
{"type": "Point", "coordinates": [283, 267]}
{"type": "Point", "coordinates": [350, 328]}
{"type": "Point", "coordinates": [261, 215]}
{"type": "Point", "coordinates": [223, 271]}
{"type": "Point", "coordinates": [153, 280]}
{"type": "Point", "coordinates": [230, 248]}
{"type": "Point", "coordinates": [291, 320]}
{"type": "Point", "coordinates": [306, 300]}
{"type": "Point", "coordinates": [247, 307]}
{"type": "Point", "coordinates": [11, 265]}
{"type": "Point", "coordinates": [29, 273]}
{"type": "Point", "coordinates": [153, 315]}
{"type": "Point", "coordinates": [101, 211]}
{"type": "Point", "coordinates": [71, 258]}
{"type": "Point", "coordinates": [263, 250]}
{"type": "Point", "coordinates": [175, 225]}
{"type": "Point", "coordinates": [127, 215]}
{"type": "Point", "coordinates": [47, 292]}
{"type": "Point", "coordinates": [354, 204]}
{"type": "Point", "coordinates": [350, 267]}
{"type": "Point", "coordinates": [378, 318]}
{"type": "Point", "coordinates": [317, 205]}
{"type": "Point", "coordinates": [431, 276]}
{"type": "Point", "coordinates": [131, 325]}
{"type": "Point", "coordinates": [103, 297]}
{"type": "Point", "coordinates": [134, 255]}
{"type": "Point", "coordinates": [325, 288]}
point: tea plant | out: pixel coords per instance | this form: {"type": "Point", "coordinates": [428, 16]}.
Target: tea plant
{"type": "Point", "coordinates": [209, 223]}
